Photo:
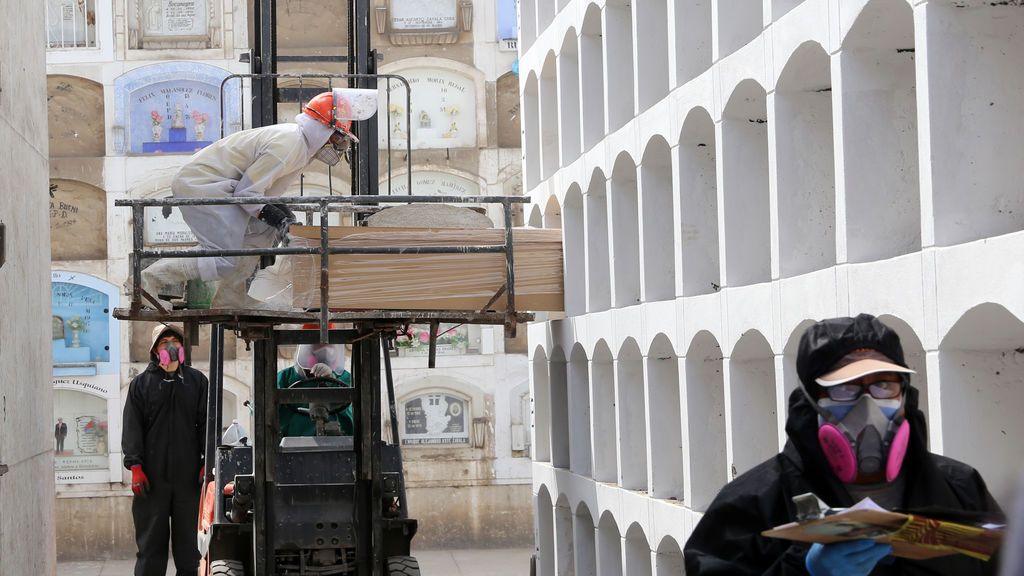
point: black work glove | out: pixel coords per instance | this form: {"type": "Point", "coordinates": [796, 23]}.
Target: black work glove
{"type": "Point", "coordinates": [277, 215]}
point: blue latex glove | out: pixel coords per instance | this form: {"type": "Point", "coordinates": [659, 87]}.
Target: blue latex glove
{"type": "Point", "coordinates": [853, 558]}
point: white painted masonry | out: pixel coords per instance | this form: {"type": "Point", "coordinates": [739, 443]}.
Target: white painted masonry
{"type": "Point", "coordinates": [726, 172]}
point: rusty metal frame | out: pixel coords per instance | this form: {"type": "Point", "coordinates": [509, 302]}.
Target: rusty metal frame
{"type": "Point", "coordinates": [509, 318]}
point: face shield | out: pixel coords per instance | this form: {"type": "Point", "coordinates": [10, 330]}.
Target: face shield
{"type": "Point", "coordinates": [309, 355]}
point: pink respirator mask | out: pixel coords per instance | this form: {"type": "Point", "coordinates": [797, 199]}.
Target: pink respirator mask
{"type": "Point", "coordinates": [863, 436]}
{"type": "Point", "coordinates": [165, 355]}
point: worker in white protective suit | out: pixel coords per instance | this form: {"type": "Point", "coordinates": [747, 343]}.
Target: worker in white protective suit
{"type": "Point", "coordinates": [262, 162]}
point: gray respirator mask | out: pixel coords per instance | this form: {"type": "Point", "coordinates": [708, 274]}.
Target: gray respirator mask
{"type": "Point", "coordinates": [331, 153]}
{"type": "Point", "coordinates": [868, 436]}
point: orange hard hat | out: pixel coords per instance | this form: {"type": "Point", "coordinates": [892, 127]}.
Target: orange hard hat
{"type": "Point", "coordinates": [322, 109]}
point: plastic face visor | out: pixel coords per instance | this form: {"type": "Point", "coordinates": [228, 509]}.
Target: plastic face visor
{"type": "Point", "coordinates": [310, 355]}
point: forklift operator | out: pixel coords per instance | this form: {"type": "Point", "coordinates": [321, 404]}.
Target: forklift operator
{"type": "Point", "coordinates": [314, 361]}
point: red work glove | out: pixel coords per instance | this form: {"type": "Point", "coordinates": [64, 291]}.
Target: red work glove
{"type": "Point", "coordinates": [140, 484]}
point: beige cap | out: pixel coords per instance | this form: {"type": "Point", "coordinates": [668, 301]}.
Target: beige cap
{"type": "Point", "coordinates": [860, 363]}
{"type": "Point", "coordinates": [161, 329]}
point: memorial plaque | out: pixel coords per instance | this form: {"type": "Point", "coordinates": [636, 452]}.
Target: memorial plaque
{"type": "Point", "coordinates": [431, 183]}
{"type": "Point", "coordinates": [162, 230]}
{"type": "Point", "coordinates": [80, 427]}
{"type": "Point", "coordinates": [173, 108]}
{"type": "Point", "coordinates": [74, 108]}
{"type": "Point", "coordinates": [435, 418]}
{"type": "Point", "coordinates": [443, 110]}
{"type": "Point", "coordinates": [78, 221]}
{"type": "Point", "coordinates": [162, 18]}
{"type": "Point", "coordinates": [423, 15]}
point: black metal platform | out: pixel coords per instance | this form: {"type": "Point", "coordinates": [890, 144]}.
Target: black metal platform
{"type": "Point", "coordinates": [238, 317]}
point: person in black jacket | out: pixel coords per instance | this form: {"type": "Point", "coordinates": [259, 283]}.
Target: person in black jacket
{"type": "Point", "coordinates": [854, 385]}
{"type": "Point", "coordinates": [163, 443]}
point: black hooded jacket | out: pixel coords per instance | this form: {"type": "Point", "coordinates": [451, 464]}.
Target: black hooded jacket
{"type": "Point", "coordinates": [165, 423]}
{"type": "Point", "coordinates": [728, 538]}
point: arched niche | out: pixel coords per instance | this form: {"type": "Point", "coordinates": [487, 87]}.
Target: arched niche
{"type": "Point", "coordinates": [609, 546]}
{"type": "Point", "coordinates": [652, 51]}
{"type": "Point", "coordinates": [602, 390]}
{"type": "Point", "coordinates": [78, 221]}
{"type": "Point", "coordinates": [545, 533]}
{"type": "Point", "coordinates": [531, 131]}
{"type": "Point", "coordinates": [74, 109]}
{"type": "Point", "coordinates": [541, 394]}
{"type": "Point", "coordinates": [565, 546]}
{"type": "Point", "coordinates": [579, 415]}
{"type": "Point", "coordinates": [630, 402]}
{"type": "Point", "coordinates": [669, 558]}
{"type": "Point", "coordinates": [559, 393]}
{"type": "Point", "coordinates": [745, 186]}
{"type": "Point", "coordinates": [618, 56]}
{"type": "Point", "coordinates": [549, 128]}
{"type": "Point", "coordinates": [584, 536]}
{"type": "Point", "coordinates": [509, 111]}
{"type": "Point", "coordinates": [805, 164]}
{"type": "Point", "coordinates": [752, 402]}
{"type": "Point", "coordinates": [625, 232]}
{"type": "Point", "coordinates": [705, 416]}
{"type": "Point", "coordinates": [638, 552]}
{"type": "Point", "coordinates": [698, 206]}
{"type": "Point", "coordinates": [599, 295]}
{"type": "Point", "coordinates": [575, 253]}
{"type": "Point", "coordinates": [656, 222]}
{"type": "Point", "coordinates": [665, 420]}
{"type": "Point", "coordinates": [569, 97]}
{"type": "Point", "coordinates": [981, 368]}
{"type": "Point", "coordinates": [592, 77]}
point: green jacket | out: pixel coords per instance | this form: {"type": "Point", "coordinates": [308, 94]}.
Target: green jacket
{"type": "Point", "coordinates": [296, 424]}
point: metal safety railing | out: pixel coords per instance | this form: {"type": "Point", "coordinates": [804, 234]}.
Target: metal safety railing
{"type": "Point", "coordinates": [322, 205]}
{"type": "Point", "coordinates": [301, 79]}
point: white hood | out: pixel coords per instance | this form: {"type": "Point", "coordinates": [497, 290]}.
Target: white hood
{"type": "Point", "coordinates": [315, 133]}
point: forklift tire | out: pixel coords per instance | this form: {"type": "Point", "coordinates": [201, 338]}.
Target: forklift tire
{"type": "Point", "coordinates": [403, 566]}
{"type": "Point", "coordinates": [227, 568]}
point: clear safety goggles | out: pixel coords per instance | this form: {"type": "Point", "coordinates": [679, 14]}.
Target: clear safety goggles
{"type": "Point", "coordinates": [883, 390]}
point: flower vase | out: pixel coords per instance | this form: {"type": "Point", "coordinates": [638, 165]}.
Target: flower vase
{"type": "Point", "coordinates": [157, 130]}
{"type": "Point", "coordinates": [200, 131]}
{"type": "Point", "coordinates": [75, 342]}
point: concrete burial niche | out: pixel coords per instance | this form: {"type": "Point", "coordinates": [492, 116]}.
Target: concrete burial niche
{"type": "Point", "coordinates": [652, 51]}
{"type": "Point", "coordinates": [579, 415]}
{"type": "Point", "coordinates": [739, 22]}
{"type": "Point", "coordinates": [527, 23]}
{"type": "Point", "coordinates": [78, 221]}
{"type": "Point", "coordinates": [602, 391]}
{"type": "Point", "coordinates": [981, 368]}
{"type": "Point", "coordinates": [545, 13]}
{"type": "Point", "coordinates": [552, 214]}
{"type": "Point", "coordinates": [536, 219]}
{"type": "Point", "coordinates": [782, 7]}
{"type": "Point", "coordinates": [669, 558]}
{"type": "Point", "coordinates": [509, 111]}
{"type": "Point", "coordinates": [698, 206]}
{"type": "Point", "coordinates": [618, 58]}
{"type": "Point", "coordinates": [745, 187]}
{"type": "Point", "coordinates": [752, 402]}
{"type": "Point", "coordinates": [74, 108]}
{"type": "Point", "coordinates": [569, 97]}
{"type": "Point", "coordinates": [584, 538]}
{"type": "Point", "coordinates": [705, 417]}
{"type": "Point", "coordinates": [575, 252]}
{"type": "Point", "coordinates": [541, 392]}
{"type": "Point", "coordinates": [311, 24]}
{"type": "Point", "coordinates": [693, 38]}
{"type": "Point", "coordinates": [625, 232]}
{"type": "Point", "coordinates": [659, 257]}
{"type": "Point", "coordinates": [549, 116]}
{"type": "Point", "coordinates": [638, 552]}
{"type": "Point", "coordinates": [559, 394]}
{"type": "Point", "coordinates": [630, 402]}
{"type": "Point", "coordinates": [914, 354]}
{"type": "Point", "coordinates": [545, 533]}
{"type": "Point", "coordinates": [531, 131]}
{"type": "Point", "coordinates": [666, 420]}
{"type": "Point", "coordinates": [804, 162]}
{"type": "Point", "coordinates": [879, 133]}
{"type": "Point", "coordinates": [592, 67]}
{"type": "Point", "coordinates": [791, 380]}
{"type": "Point", "coordinates": [609, 546]}
{"type": "Point", "coordinates": [564, 545]}
{"type": "Point", "coordinates": [599, 295]}
{"type": "Point", "coordinates": [976, 117]}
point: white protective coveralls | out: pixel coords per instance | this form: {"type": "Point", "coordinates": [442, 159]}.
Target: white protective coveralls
{"type": "Point", "coordinates": [262, 162]}
{"type": "Point", "coordinates": [252, 163]}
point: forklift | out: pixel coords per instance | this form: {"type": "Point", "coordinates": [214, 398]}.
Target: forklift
{"type": "Point", "coordinates": [326, 504]}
